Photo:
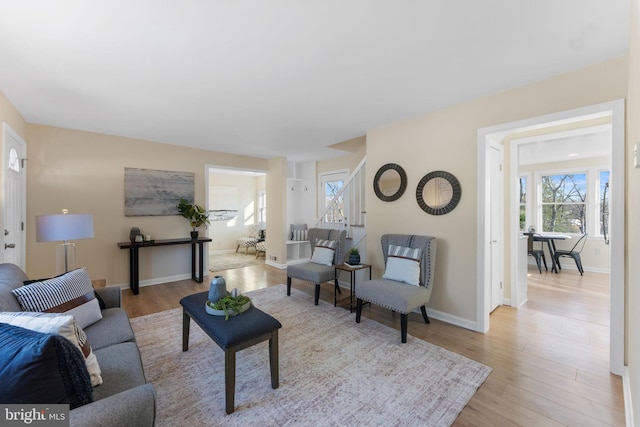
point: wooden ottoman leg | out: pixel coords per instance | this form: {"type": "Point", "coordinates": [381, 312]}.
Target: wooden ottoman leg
{"type": "Point", "coordinates": [273, 359]}
{"type": "Point", "coordinates": [229, 379]}
{"type": "Point", "coordinates": [186, 322]}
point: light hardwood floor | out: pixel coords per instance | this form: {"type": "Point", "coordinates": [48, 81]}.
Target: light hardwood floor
{"type": "Point", "coordinates": [549, 358]}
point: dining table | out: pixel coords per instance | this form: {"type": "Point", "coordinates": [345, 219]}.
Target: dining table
{"type": "Point", "coordinates": [550, 240]}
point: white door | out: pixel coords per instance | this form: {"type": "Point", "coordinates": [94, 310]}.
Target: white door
{"type": "Point", "coordinates": [497, 223]}
{"type": "Point", "coordinates": [14, 178]}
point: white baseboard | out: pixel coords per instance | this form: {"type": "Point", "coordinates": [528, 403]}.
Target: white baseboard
{"type": "Point", "coordinates": [157, 281]}
{"type": "Point", "coordinates": [435, 314]}
{"type": "Point", "coordinates": [570, 265]}
{"type": "Point", "coordinates": [454, 320]}
{"type": "Point", "coordinates": [628, 399]}
{"type": "Point", "coordinates": [275, 264]}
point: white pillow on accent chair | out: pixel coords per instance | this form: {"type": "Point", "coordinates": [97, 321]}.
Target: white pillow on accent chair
{"type": "Point", "coordinates": [403, 265]}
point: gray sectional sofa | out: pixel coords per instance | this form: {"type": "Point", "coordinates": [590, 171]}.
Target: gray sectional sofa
{"type": "Point", "coordinates": [124, 398]}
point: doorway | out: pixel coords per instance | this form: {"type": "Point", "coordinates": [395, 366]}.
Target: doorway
{"type": "Point", "coordinates": [15, 194]}
{"type": "Point", "coordinates": [236, 200]}
{"type": "Point", "coordinates": [615, 110]}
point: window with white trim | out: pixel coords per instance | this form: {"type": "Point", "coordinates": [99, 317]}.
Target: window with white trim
{"type": "Point", "coordinates": [570, 201]}
{"type": "Point", "coordinates": [523, 202]}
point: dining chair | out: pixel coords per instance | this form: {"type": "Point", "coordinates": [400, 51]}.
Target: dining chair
{"type": "Point", "coordinates": [538, 254]}
{"type": "Point", "coordinates": [573, 253]}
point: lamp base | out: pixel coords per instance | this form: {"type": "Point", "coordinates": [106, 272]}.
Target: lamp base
{"type": "Point", "coordinates": [65, 257]}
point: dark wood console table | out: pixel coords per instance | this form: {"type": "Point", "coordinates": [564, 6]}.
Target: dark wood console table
{"type": "Point", "coordinates": [134, 257]}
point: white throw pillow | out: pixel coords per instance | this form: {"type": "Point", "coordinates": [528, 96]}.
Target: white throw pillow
{"type": "Point", "coordinates": [323, 252]}
{"type": "Point", "coordinates": [67, 293]}
{"type": "Point", "coordinates": [403, 265]}
{"type": "Point", "coordinates": [60, 324]}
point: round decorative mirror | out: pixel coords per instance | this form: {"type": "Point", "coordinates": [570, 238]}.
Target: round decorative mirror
{"type": "Point", "coordinates": [390, 182]}
{"type": "Point", "coordinates": [438, 193]}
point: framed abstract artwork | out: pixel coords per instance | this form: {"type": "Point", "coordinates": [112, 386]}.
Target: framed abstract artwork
{"type": "Point", "coordinates": [149, 192]}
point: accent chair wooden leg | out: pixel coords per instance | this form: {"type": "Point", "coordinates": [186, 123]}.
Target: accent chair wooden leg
{"type": "Point", "coordinates": [273, 359]}
{"type": "Point", "coordinates": [424, 314]}
{"type": "Point", "coordinates": [288, 286]}
{"type": "Point", "coordinates": [237, 248]}
{"type": "Point", "coordinates": [186, 322]}
{"type": "Point", "coordinates": [317, 293]}
{"type": "Point", "coordinates": [358, 309]}
{"type": "Point", "coordinates": [403, 326]}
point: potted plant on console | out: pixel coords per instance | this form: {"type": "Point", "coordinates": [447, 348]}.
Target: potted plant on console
{"type": "Point", "coordinates": [354, 256]}
{"type": "Point", "coordinates": [196, 215]}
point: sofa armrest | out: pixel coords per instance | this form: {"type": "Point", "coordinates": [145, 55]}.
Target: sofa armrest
{"type": "Point", "coordinates": [134, 407]}
{"type": "Point", "coordinates": [112, 296]}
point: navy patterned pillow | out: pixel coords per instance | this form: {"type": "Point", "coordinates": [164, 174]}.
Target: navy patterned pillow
{"type": "Point", "coordinates": [41, 368]}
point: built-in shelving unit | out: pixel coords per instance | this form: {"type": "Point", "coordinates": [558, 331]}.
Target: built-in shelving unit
{"type": "Point", "coordinates": [298, 251]}
{"type": "Point", "coordinates": [301, 202]}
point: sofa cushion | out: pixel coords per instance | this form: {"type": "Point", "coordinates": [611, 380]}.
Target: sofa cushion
{"type": "Point", "coordinates": [121, 369]}
{"type": "Point", "coordinates": [114, 328]}
{"type": "Point", "coordinates": [11, 277]}
{"type": "Point", "coordinates": [41, 368]}
{"type": "Point", "coordinates": [70, 293]}
{"type": "Point", "coordinates": [60, 324]}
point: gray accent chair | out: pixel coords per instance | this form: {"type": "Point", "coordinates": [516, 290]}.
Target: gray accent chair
{"type": "Point", "coordinates": [316, 273]}
{"type": "Point", "coordinates": [400, 296]}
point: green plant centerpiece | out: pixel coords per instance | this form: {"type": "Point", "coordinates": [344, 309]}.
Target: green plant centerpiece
{"type": "Point", "coordinates": [230, 305]}
{"type": "Point", "coordinates": [196, 215]}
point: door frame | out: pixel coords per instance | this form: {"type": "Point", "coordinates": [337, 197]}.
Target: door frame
{"type": "Point", "coordinates": [617, 265]}
{"type": "Point", "coordinates": [6, 133]}
{"type": "Point", "coordinates": [500, 243]}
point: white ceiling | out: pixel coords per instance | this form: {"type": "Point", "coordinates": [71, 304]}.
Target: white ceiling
{"type": "Point", "coordinates": [283, 77]}
{"type": "Point", "coordinates": [584, 143]}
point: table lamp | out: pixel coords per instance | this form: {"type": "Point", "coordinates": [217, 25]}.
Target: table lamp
{"type": "Point", "coordinates": [63, 228]}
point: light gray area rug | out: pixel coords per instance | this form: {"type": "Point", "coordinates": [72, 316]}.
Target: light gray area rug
{"type": "Point", "coordinates": [229, 261]}
{"type": "Point", "coordinates": [333, 371]}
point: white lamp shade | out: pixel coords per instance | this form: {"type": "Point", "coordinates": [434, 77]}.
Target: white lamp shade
{"type": "Point", "coordinates": [55, 228]}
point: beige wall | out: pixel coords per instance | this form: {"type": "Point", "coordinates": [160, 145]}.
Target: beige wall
{"type": "Point", "coordinates": [633, 212]}
{"type": "Point", "coordinates": [10, 116]}
{"type": "Point", "coordinates": [84, 172]}
{"type": "Point", "coordinates": [356, 150]}
{"type": "Point", "coordinates": [277, 209]}
{"type": "Point", "coordinates": [447, 140]}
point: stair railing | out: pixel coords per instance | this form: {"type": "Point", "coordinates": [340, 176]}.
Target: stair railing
{"type": "Point", "coordinates": [348, 203]}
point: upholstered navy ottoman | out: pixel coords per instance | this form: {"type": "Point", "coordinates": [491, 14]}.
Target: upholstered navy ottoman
{"type": "Point", "coordinates": [237, 333]}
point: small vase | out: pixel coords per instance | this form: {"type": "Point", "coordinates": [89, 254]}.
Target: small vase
{"type": "Point", "coordinates": [194, 234]}
{"type": "Point", "coordinates": [217, 288]}
{"type": "Point", "coordinates": [354, 259]}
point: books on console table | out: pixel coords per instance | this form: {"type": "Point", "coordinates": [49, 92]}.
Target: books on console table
{"type": "Point", "coordinates": [352, 265]}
